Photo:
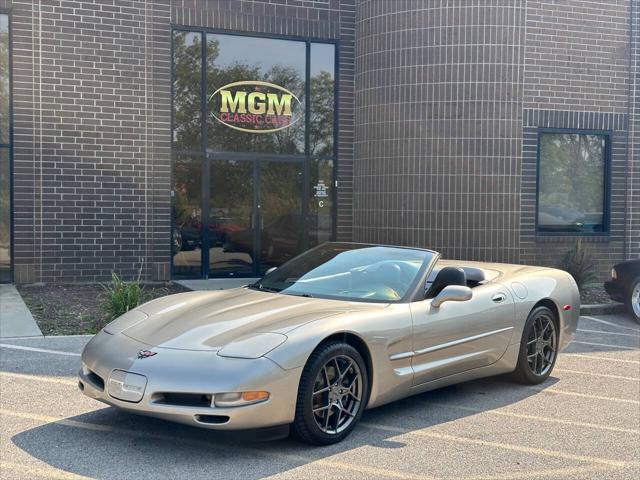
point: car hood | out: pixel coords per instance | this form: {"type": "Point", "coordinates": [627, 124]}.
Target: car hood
{"type": "Point", "coordinates": [210, 320]}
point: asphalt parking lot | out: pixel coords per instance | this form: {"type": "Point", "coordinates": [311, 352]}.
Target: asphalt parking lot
{"type": "Point", "coordinates": [584, 422]}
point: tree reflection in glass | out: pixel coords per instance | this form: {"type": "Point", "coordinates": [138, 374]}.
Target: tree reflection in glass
{"type": "Point", "coordinates": [187, 81]}
{"type": "Point", "coordinates": [280, 62]}
{"type": "Point", "coordinates": [571, 183]}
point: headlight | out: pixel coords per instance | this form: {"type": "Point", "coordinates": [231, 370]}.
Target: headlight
{"type": "Point", "coordinates": [239, 399]}
{"type": "Point", "coordinates": [614, 274]}
{"type": "Point", "coordinates": [254, 346]}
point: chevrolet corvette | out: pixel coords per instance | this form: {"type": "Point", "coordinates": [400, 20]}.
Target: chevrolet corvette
{"type": "Point", "coordinates": [336, 330]}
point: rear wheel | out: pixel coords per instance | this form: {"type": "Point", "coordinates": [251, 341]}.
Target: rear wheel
{"type": "Point", "coordinates": [332, 394]}
{"type": "Point", "coordinates": [633, 300]}
{"type": "Point", "coordinates": [538, 348]}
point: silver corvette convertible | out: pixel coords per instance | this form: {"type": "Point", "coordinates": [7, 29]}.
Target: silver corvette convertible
{"type": "Point", "coordinates": [338, 329]}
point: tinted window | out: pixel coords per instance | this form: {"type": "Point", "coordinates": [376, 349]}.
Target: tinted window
{"type": "Point", "coordinates": [4, 79]}
{"type": "Point", "coordinates": [187, 92]}
{"type": "Point", "coordinates": [5, 153]}
{"type": "Point", "coordinates": [255, 94]}
{"type": "Point", "coordinates": [186, 237]}
{"type": "Point", "coordinates": [320, 201]}
{"type": "Point", "coordinates": [322, 79]}
{"type": "Point", "coordinates": [571, 195]}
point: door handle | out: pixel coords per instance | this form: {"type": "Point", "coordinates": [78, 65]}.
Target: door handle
{"type": "Point", "coordinates": [499, 297]}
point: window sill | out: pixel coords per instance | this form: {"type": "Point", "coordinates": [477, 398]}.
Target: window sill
{"type": "Point", "coordinates": [572, 237]}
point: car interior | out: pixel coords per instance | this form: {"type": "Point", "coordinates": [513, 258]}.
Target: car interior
{"type": "Point", "coordinates": [445, 274]}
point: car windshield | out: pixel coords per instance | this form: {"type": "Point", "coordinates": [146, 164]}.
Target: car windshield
{"type": "Point", "coordinates": [349, 272]}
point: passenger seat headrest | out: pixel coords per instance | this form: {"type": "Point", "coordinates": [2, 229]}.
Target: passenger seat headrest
{"type": "Point", "coordinates": [447, 276]}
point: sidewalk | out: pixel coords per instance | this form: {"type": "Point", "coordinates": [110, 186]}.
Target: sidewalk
{"type": "Point", "coordinates": [15, 318]}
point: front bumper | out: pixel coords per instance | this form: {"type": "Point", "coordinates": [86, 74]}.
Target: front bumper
{"type": "Point", "coordinates": [193, 375]}
{"type": "Point", "coordinates": [615, 290]}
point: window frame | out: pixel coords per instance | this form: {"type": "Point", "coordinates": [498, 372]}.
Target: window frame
{"type": "Point", "coordinates": [305, 157]}
{"type": "Point", "coordinates": [606, 207]}
{"type": "Point", "coordinates": [9, 146]}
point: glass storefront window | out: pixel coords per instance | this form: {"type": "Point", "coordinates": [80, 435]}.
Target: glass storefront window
{"type": "Point", "coordinates": [187, 91]}
{"type": "Point", "coordinates": [255, 94]}
{"type": "Point", "coordinates": [186, 235]}
{"type": "Point", "coordinates": [320, 223]}
{"type": "Point", "coordinates": [5, 216]}
{"type": "Point", "coordinates": [5, 152]}
{"type": "Point", "coordinates": [572, 190]}
{"type": "Point", "coordinates": [248, 145]}
{"type": "Point", "coordinates": [322, 80]}
{"type": "Point", "coordinates": [4, 80]}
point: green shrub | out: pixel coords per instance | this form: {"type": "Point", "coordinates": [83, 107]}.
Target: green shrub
{"type": "Point", "coordinates": [579, 262]}
{"type": "Point", "coordinates": [121, 296]}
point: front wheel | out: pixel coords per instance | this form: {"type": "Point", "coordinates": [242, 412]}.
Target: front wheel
{"type": "Point", "coordinates": [538, 348]}
{"type": "Point", "coordinates": [633, 300]}
{"type": "Point", "coordinates": [332, 394]}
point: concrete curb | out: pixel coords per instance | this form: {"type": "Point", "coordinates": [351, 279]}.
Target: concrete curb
{"type": "Point", "coordinates": [602, 309]}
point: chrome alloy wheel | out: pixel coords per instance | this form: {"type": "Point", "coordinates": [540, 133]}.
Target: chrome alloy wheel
{"type": "Point", "coordinates": [542, 344]}
{"type": "Point", "coordinates": [337, 394]}
{"type": "Point", "coordinates": [635, 300]}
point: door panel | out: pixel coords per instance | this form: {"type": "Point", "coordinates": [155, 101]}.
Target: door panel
{"type": "Point", "coordinates": [460, 336]}
{"type": "Point", "coordinates": [282, 229]}
{"type": "Point", "coordinates": [231, 218]}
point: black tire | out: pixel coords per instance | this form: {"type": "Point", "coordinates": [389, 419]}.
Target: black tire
{"type": "Point", "coordinates": [305, 425]}
{"type": "Point", "coordinates": [525, 372]}
{"type": "Point", "coordinates": [631, 299]}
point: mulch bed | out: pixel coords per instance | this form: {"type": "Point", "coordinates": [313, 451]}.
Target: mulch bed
{"type": "Point", "coordinates": [594, 294]}
{"type": "Point", "coordinates": [75, 309]}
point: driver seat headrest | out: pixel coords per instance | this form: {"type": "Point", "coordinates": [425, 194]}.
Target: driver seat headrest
{"type": "Point", "coordinates": [447, 276]}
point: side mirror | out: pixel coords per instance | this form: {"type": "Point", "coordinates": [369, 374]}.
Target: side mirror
{"type": "Point", "coordinates": [452, 293]}
{"type": "Point", "coordinates": [269, 271]}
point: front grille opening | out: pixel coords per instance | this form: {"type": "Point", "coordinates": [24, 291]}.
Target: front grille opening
{"type": "Point", "coordinates": [212, 419]}
{"type": "Point", "coordinates": [95, 380]}
{"type": "Point", "coordinates": [183, 399]}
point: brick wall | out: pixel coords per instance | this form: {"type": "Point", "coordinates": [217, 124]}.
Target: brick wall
{"type": "Point", "coordinates": [547, 250]}
{"type": "Point", "coordinates": [321, 19]}
{"type": "Point", "coordinates": [91, 132]}
{"type": "Point", "coordinates": [577, 55]}
{"type": "Point", "coordinates": [449, 101]}
{"type": "Point", "coordinates": [438, 131]}
{"type": "Point", "coordinates": [577, 76]}
{"type": "Point", "coordinates": [92, 105]}
{"type": "Point", "coordinates": [633, 185]}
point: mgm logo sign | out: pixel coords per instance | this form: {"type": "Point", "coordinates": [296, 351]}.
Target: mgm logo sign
{"type": "Point", "coordinates": [256, 107]}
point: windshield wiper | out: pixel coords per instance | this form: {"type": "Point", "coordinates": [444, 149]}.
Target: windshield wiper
{"type": "Point", "coordinates": [306, 295]}
{"type": "Point", "coordinates": [263, 288]}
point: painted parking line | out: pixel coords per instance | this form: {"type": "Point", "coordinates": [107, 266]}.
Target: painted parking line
{"type": "Point", "coordinates": [499, 445]}
{"type": "Point", "coordinates": [39, 378]}
{"type": "Point", "coordinates": [592, 374]}
{"type": "Point", "coordinates": [39, 350]}
{"type": "Point", "coordinates": [554, 391]}
{"type": "Point", "coordinates": [601, 358]}
{"type": "Point", "coordinates": [634, 335]}
{"type": "Point", "coordinates": [607, 345]}
{"type": "Point", "coordinates": [611, 324]}
{"type": "Point", "coordinates": [328, 461]}
{"type": "Point", "coordinates": [506, 413]}
{"type": "Point", "coordinates": [44, 471]}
